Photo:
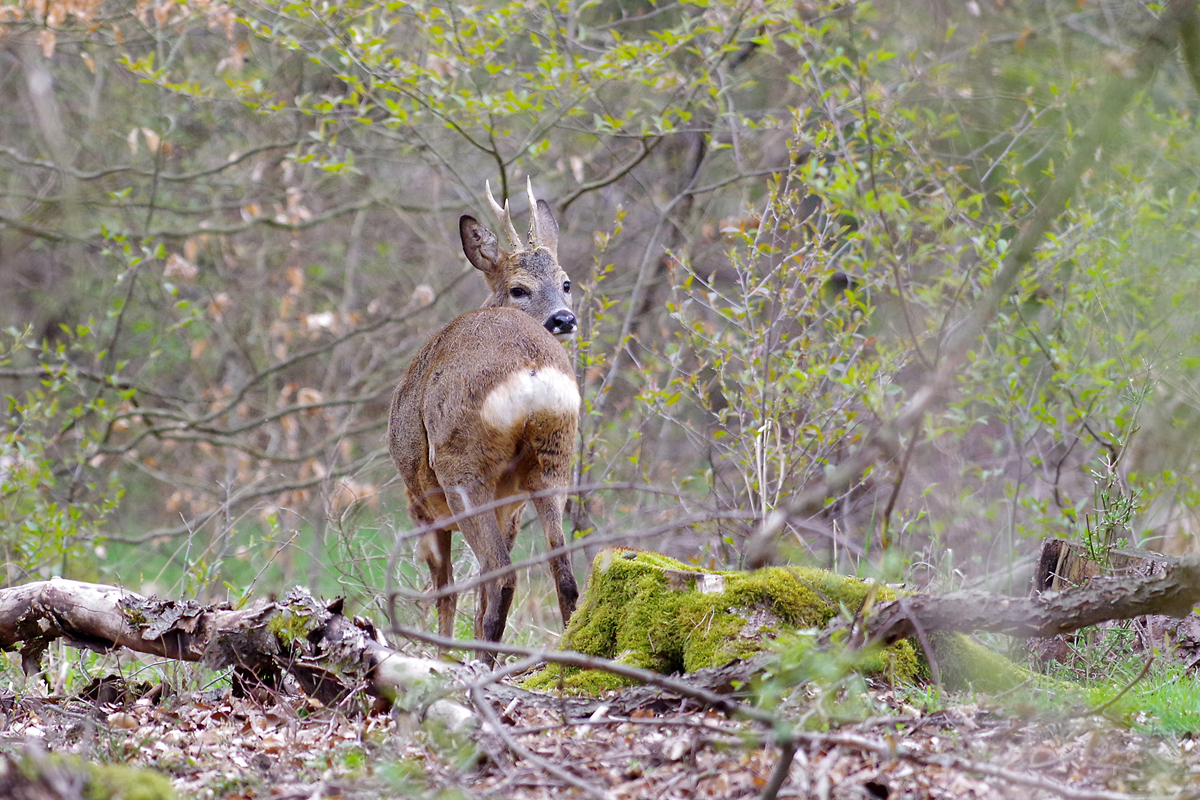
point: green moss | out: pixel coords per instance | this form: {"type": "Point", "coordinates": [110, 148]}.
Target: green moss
{"type": "Point", "coordinates": [635, 611]}
{"type": "Point", "coordinates": [641, 609]}
{"type": "Point", "coordinates": [290, 625]}
{"type": "Point", "coordinates": [35, 774]}
{"type": "Point", "coordinates": [962, 661]}
{"type": "Point", "coordinates": [117, 782]}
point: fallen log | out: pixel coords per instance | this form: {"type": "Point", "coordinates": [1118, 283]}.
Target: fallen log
{"type": "Point", "coordinates": [327, 655]}
{"type": "Point", "coordinates": [1174, 593]}
{"type": "Point", "coordinates": [1070, 563]}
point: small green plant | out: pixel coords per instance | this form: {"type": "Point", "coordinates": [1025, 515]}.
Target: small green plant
{"type": "Point", "coordinates": [52, 500]}
{"type": "Point", "coordinates": [1107, 527]}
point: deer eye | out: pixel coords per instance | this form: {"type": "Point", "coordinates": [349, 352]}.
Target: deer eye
{"type": "Point", "coordinates": [567, 287]}
{"type": "Point", "coordinates": [518, 291]}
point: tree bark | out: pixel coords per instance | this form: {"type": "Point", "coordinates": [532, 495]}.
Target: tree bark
{"type": "Point", "coordinates": [329, 656]}
{"type": "Point", "coordinates": [1172, 594]}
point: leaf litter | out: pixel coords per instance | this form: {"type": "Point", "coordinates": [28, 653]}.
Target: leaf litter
{"type": "Point", "coordinates": [631, 744]}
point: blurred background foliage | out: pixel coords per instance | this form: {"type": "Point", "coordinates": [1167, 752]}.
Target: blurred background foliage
{"type": "Point", "coordinates": [225, 228]}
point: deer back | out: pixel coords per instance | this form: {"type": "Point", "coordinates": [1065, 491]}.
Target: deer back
{"type": "Point", "coordinates": [489, 385]}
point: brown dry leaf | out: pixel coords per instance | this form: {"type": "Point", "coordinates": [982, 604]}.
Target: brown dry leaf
{"type": "Point", "coordinates": [1122, 63]}
{"type": "Point", "coordinates": [162, 11]}
{"type": "Point", "coordinates": [733, 226]}
{"type": "Point", "coordinates": [423, 295]}
{"type": "Point", "coordinates": [122, 719]}
{"type": "Point", "coordinates": [153, 140]}
{"type": "Point", "coordinates": [1042, 755]}
{"type": "Point", "coordinates": [179, 267]}
{"type": "Point", "coordinates": [235, 58]}
{"type": "Point", "coordinates": [46, 39]}
{"type": "Point", "coordinates": [273, 743]}
{"type": "Point", "coordinates": [348, 491]}
{"type": "Point", "coordinates": [676, 749]}
{"type": "Point", "coordinates": [444, 67]}
{"type": "Point", "coordinates": [219, 304]}
{"type": "Point", "coordinates": [309, 396]}
{"type": "Point", "coordinates": [296, 212]}
{"type": "Point", "coordinates": [295, 279]}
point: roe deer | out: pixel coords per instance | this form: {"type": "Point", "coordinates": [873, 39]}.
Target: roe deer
{"type": "Point", "coordinates": [488, 409]}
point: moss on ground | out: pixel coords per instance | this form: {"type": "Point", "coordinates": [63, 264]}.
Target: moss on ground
{"type": "Point", "coordinates": [118, 782]}
{"type": "Point", "coordinates": [636, 611]}
{"type": "Point", "coordinates": [43, 776]}
{"type": "Point", "coordinates": [962, 661]}
{"type": "Point", "coordinates": [644, 609]}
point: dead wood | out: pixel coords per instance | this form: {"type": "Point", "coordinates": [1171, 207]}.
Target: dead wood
{"type": "Point", "coordinates": [1173, 593]}
{"type": "Point", "coordinates": [1068, 563]}
{"type": "Point", "coordinates": [325, 654]}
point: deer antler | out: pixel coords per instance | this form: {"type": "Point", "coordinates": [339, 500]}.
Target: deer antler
{"type": "Point", "coordinates": [510, 232]}
{"type": "Point", "coordinates": [535, 230]}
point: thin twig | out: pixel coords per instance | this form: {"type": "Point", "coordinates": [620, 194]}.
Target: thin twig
{"type": "Point", "coordinates": [888, 750]}
{"type": "Point", "coordinates": [569, 658]}
{"type": "Point", "coordinates": [484, 707]}
{"type": "Point", "coordinates": [590, 541]}
{"type": "Point", "coordinates": [782, 769]}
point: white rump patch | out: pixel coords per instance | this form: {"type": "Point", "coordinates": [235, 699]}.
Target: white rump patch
{"type": "Point", "coordinates": [525, 393]}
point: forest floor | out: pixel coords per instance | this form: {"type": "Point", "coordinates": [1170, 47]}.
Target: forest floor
{"type": "Point", "coordinates": [632, 744]}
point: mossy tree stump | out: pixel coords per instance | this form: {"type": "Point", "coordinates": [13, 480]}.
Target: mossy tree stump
{"type": "Point", "coordinates": [646, 610]}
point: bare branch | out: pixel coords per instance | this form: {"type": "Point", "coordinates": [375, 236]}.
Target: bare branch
{"type": "Point", "coordinates": [884, 443]}
{"type": "Point", "coordinates": [1108, 598]}
{"type": "Point", "coordinates": [145, 173]}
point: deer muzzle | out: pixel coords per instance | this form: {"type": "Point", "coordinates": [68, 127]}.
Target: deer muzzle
{"type": "Point", "coordinates": [562, 324]}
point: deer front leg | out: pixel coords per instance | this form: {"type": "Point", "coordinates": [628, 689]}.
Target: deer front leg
{"type": "Point", "coordinates": [550, 512]}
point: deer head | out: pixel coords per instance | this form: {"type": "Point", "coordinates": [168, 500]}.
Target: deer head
{"type": "Point", "coordinates": [524, 276]}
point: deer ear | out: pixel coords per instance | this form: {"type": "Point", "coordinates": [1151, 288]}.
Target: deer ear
{"type": "Point", "coordinates": [547, 228]}
{"type": "Point", "coordinates": [479, 243]}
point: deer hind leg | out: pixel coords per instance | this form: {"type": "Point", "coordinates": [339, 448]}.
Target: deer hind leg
{"type": "Point", "coordinates": [434, 550]}
{"type": "Point", "coordinates": [487, 541]}
{"type": "Point", "coordinates": [550, 512]}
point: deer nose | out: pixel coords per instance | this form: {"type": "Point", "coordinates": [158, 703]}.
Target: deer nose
{"type": "Point", "coordinates": [562, 323]}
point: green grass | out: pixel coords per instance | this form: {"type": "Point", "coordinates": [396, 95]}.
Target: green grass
{"type": "Point", "coordinates": [264, 561]}
{"type": "Point", "coordinates": [1102, 681]}
{"type": "Point", "coordinates": [260, 559]}
{"type": "Point", "coordinates": [1166, 701]}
